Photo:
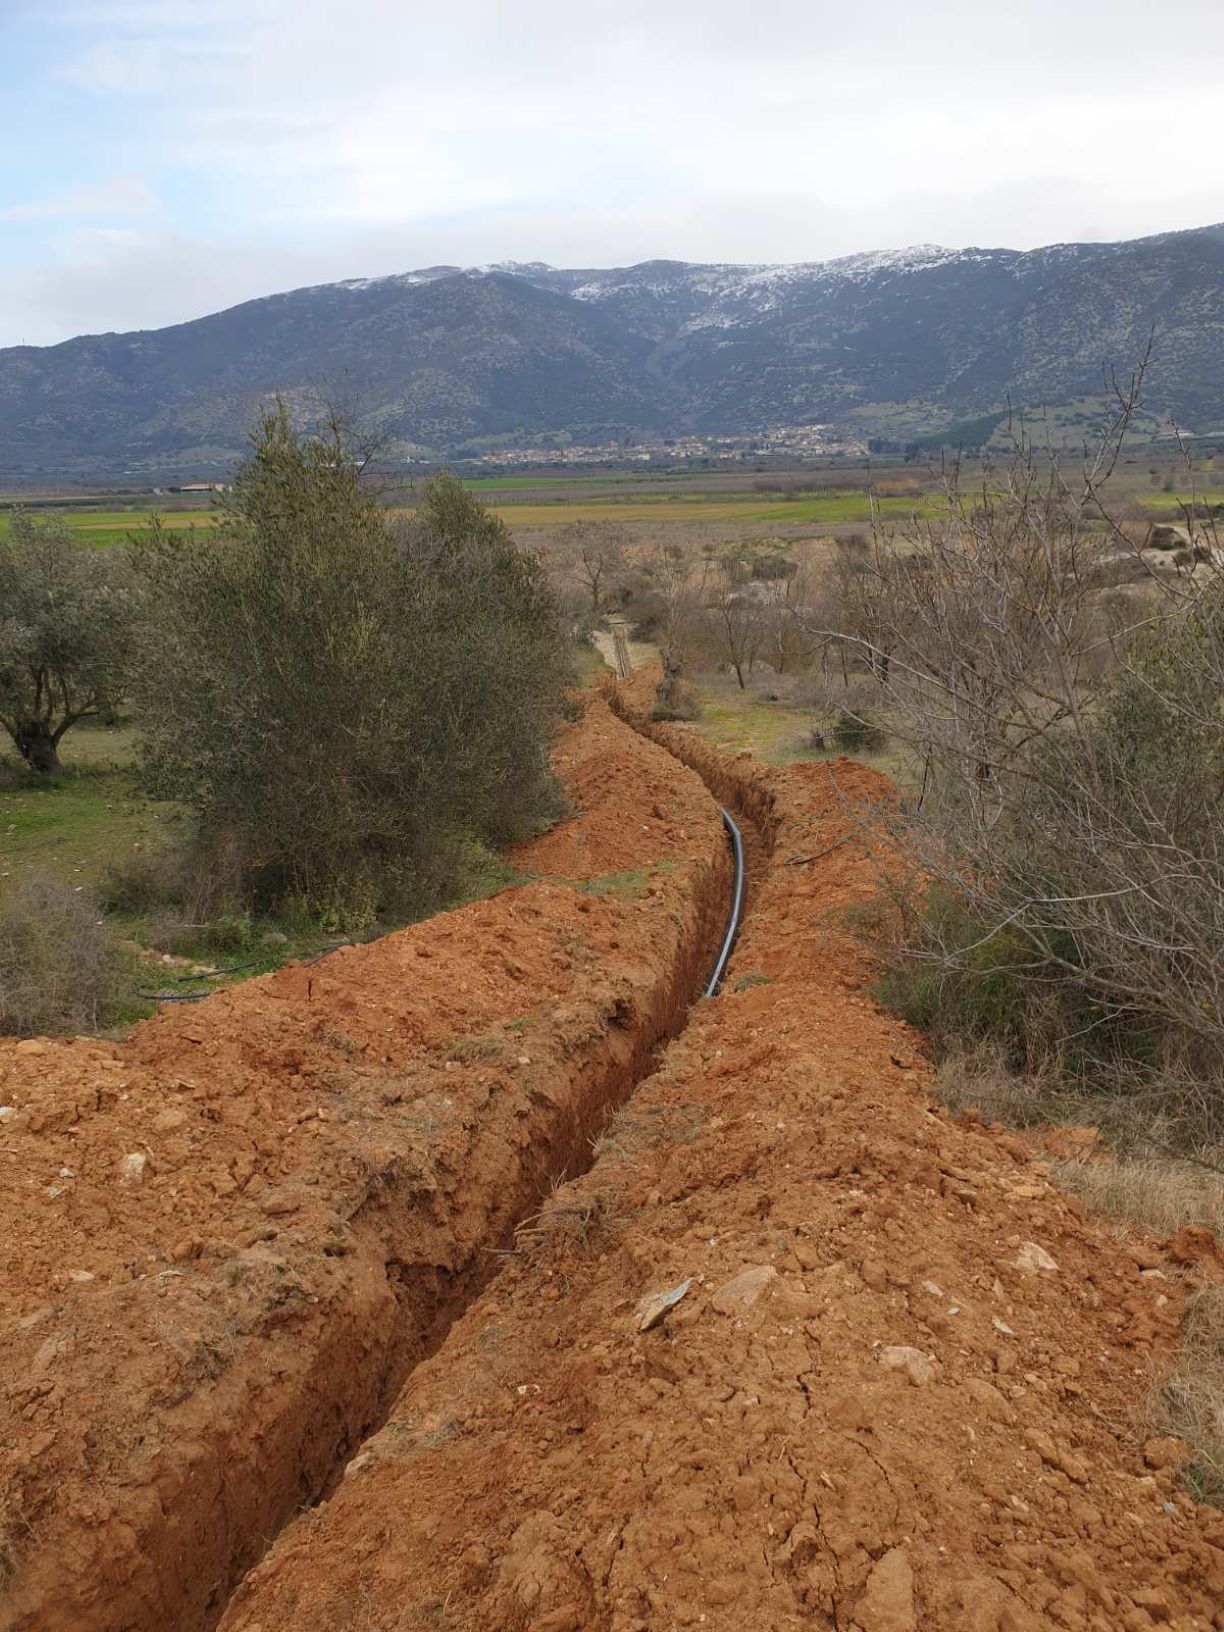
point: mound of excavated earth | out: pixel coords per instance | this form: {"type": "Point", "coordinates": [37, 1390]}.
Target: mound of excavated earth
{"type": "Point", "coordinates": [798, 1350]}
{"type": "Point", "coordinates": [228, 1240]}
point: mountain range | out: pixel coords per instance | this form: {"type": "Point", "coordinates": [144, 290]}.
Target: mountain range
{"type": "Point", "coordinates": [450, 360]}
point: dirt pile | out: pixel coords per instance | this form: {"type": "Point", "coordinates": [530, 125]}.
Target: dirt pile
{"type": "Point", "coordinates": [228, 1239]}
{"type": "Point", "coordinates": [798, 1350]}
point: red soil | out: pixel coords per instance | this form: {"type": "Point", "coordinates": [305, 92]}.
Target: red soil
{"type": "Point", "coordinates": [897, 1394]}
{"type": "Point", "coordinates": [229, 1238]}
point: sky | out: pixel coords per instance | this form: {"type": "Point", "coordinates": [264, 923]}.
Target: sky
{"type": "Point", "coordinates": [161, 159]}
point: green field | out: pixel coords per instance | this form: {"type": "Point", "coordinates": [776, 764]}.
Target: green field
{"type": "Point", "coordinates": [101, 527]}
{"type": "Point", "coordinates": [650, 500]}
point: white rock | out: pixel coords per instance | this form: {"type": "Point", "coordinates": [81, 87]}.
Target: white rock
{"type": "Point", "coordinates": [132, 1168]}
{"type": "Point", "coordinates": [919, 1367]}
{"type": "Point", "coordinates": [652, 1308]}
{"type": "Point", "coordinates": [1032, 1258]}
{"type": "Point", "coordinates": [744, 1289]}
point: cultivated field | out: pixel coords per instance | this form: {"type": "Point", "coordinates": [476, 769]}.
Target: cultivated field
{"type": "Point", "coordinates": [817, 498]}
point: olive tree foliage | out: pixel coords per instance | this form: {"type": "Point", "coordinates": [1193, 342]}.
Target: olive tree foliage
{"type": "Point", "coordinates": [66, 621]}
{"type": "Point", "coordinates": [347, 705]}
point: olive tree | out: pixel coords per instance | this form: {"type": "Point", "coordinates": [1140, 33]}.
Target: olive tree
{"type": "Point", "coordinates": [66, 617]}
{"type": "Point", "coordinates": [344, 705]}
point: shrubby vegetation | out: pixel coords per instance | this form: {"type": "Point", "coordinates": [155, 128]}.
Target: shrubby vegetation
{"type": "Point", "coordinates": [348, 709]}
{"type": "Point", "coordinates": [60, 969]}
{"type": "Point", "coordinates": [1067, 900]}
{"type": "Point", "coordinates": [66, 627]}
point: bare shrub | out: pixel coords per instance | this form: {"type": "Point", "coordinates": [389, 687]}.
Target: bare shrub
{"type": "Point", "coordinates": [60, 970]}
{"type": "Point", "coordinates": [1068, 859]}
{"type": "Point", "coordinates": [593, 554]}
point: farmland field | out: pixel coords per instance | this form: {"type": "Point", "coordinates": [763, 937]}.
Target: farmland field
{"type": "Point", "coordinates": [717, 498]}
{"type": "Point", "coordinates": [101, 528]}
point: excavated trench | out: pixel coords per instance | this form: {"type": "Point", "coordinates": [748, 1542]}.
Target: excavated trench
{"type": "Point", "coordinates": [449, 1298]}
{"type": "Point", "coordinates": [283, 1396]}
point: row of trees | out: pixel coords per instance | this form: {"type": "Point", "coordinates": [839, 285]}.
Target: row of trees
{"type": "Point", "coordinates": [731, 606]}
{"type": "Point", "coordinates": [344, 701]}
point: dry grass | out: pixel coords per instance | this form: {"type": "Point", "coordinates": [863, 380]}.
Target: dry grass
{"type": "Point", "coordinates": [1189, 1400]}
{"type": "Point", "coordinates": [579, 1223]}
{"type": "Point", "coordinates": [1153, 1194]}
{"type": "Point", "coordinates": [633, 1131]}
{"type": "Point", "coordinates": [60, 969]}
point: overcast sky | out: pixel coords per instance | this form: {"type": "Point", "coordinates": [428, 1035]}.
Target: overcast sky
{"type": "Point", "coordinates": [160, 159]}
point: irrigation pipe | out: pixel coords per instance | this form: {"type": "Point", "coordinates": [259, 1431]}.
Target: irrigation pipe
{"type": "Point", "coordinates": [737, 906]}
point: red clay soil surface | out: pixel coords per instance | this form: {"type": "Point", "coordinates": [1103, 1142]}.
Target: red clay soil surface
{"type": "Point", "coordinates": [894, 1386]}
{"type": "Point", "coordinates": [229, 1238]}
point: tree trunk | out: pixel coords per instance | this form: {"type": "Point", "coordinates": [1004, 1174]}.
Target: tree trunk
{"type": "Point", "coordinates": [38, 747]}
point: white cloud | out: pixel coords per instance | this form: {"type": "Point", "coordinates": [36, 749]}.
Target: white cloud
{"type": "Point", "coordinates": [121, 196]}
{"type": "Point", "coordinates": [303, 141]}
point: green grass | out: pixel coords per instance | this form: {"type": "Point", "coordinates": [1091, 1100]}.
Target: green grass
{"type": "Point", "coordinates": [1170, 501]}
{"type": "Point", "coordinates": [78, 825]}
{"type": "Point", "coordinates": [775, 733]}
{"type": "Point", "coordinates": [102, 528]}
{"type": "Point", "coordinates": [626, 886]}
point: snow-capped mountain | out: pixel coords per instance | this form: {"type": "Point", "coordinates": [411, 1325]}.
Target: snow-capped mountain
{"type": "Point", "coordinates": [443, 358]}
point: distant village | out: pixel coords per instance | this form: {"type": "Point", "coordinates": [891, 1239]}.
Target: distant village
{"type": "Point", "coordinates": [790, 441]}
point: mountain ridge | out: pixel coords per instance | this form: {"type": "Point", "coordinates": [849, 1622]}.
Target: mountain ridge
{"type": "Point", "coordinates": [444, 360]}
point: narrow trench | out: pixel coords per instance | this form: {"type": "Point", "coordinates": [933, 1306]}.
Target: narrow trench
{"type": "Point", "coordinates": [570, 1159]}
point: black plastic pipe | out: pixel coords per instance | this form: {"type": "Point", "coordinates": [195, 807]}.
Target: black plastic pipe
{"type": "Point", "coordinates": [737, 905]}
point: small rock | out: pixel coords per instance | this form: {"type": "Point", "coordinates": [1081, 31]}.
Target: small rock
{"type": "Point", "coordinates": [992, 1402]}
{"type": "Point", "coordinates": [887, 1603]}
{"type": "Point", "coordinates": [744, 1289]}
{"type": "Point", "coordinates": [132, 1168]}
{"type": "Point", "coordinates": [1031, 1258]}
{"type": "Point", "coordinates": [920, 1368]}
{"type": "Point", "coordinates": [652, 1308]}
{"type": "Point", "coordinates": [1144, 1257]}
{"type": "Point", "coordinates": [169, 1120]}
{"type": "Point", "coordinates": [79, 1275]}
{"type": "Point", "coordinates": [6, 1111]}
{"type": "Point", "coordinates": [1053, 1457]}
{"type": "Point", "coordinates": [33, 1045]}
{"type": "Point", "coordinates": [276, 1206]}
